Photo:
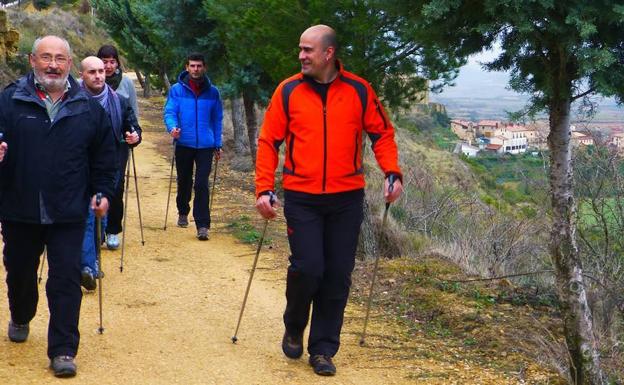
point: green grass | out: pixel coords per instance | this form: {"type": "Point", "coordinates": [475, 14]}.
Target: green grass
{"type": "Point", "coordinates": [245, 231]}
{"type": "Point", "coordinates": [514, 179]}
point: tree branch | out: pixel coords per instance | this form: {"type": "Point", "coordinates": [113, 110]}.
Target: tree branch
{"type": "Point", "coordinates": [589, 91]}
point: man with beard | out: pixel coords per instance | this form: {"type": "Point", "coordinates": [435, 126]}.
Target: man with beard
{"type": "Point", "coordinates": [59, 153]}
{"type": "Point", "coordinates": [126, 132]}
{"type": "Point", "coordinates": [321, 114]}
{"type": "Point", "coordinates": [194, 118]}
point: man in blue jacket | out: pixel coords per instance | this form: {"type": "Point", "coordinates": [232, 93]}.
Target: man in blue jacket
{"type": "Point", "coordinates": [59, 153]}
{"type": "Point", "coordinates": [194, 118]}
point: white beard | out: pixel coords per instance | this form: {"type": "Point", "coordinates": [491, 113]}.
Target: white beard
{"type": "Point", "coordinates": [51, 85]}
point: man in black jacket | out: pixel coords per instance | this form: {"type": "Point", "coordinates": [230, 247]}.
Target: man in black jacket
{"type": "Point", "coordinates": [57, 157]}
{"type": "Point", "coordinates": [126, 132]}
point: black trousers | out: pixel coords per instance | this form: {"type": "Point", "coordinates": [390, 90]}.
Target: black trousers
{"type": "Point", "coordinates": [116, 209]}
{"type": "Point", "coordinates": [202, 159]}
{"type": "Point", "coordinates": [23, 245]}
{"type": "Point", "coordinates": [323, 233]}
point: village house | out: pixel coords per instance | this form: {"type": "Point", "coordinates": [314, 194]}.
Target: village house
{"type": "Point", "coordinates": [582, 138]}
{"type": "Point", "coordinates": [617, 140]}
{"type": "Point", "coordinates": [499, 137]}
{"type": "Point", "coordinates": [466, 149]}
{"type": "Point", "coordinates": [463, 129]}
{"type": "Point", "coordinates": [487, 128]}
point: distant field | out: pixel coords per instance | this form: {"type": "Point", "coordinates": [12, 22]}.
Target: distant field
{"type": "Point", "coordinates": [477, 108]}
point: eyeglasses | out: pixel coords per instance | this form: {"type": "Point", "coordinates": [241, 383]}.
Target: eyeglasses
{"type": "Point", "coordinates": [49, 59]}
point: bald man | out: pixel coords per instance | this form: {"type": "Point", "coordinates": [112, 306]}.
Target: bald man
{"type": "Point", "coordinates": [57, 157]}
{"type": "Point", "coordinates": [126, 131]}
{"type": "Point", "coordinates": [321, 114]}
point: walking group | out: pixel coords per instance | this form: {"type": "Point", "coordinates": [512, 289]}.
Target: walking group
{"type": "Point", "coordinates": [64, 149]}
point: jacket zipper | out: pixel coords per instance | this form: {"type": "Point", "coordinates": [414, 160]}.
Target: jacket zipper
{"type": "Point", "coordinates": [324, 144]}
{"type": "Point", "coordinates": [196, 121]}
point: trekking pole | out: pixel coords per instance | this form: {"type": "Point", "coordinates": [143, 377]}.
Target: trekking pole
{"type": "Point", "coordinates": [43, 259]}
{"type": "Point", "coordinates": [125, 214]}
{"type": "Point", "coordinates": [253, 270]}
{"type": "Point", "coordinates": [98, 249]}
{"type": "Point", "coordinates": [391, 180]}
{"type": "Point", "coordinates": [214, 182]}
{"type": "Point", "coordinates": [136, 188]}
{"type": "Point", "coordinates": [170, 183]}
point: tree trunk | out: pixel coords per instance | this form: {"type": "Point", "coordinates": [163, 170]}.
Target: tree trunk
{"type": "Point", "coordinates": [578, 324]}
{"type": "Point", "coordinates": [139, 76]}
{"type": "Point", "coordinates": [165, 80]}
{"type": "Point", "coordinates": [252, 124]}
{"type": "Point", "coordinates": [146, 88]}
{"type": "Point", "coordinates": [238, 126]}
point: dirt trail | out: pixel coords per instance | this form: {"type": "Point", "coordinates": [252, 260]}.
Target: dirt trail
{"type": "Point", "coordinates": [169, 316]}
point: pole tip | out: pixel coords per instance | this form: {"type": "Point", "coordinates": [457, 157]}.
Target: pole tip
{"type": "Point", "coordinates": [362, 342]}
{"type": "Point", "coordinates": [234, 339]}
{"type": "Point", "coordinates": [121, 269]}
{"type": "Point", "coordinates": [101, 330]}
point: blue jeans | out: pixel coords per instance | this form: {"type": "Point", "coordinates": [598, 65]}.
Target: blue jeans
{"type": "Point", "coordinates": [89, 244]}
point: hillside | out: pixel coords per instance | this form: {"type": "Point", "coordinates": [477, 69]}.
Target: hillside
{"type": "Point", "coordinates": [434, 320]}
{"type": "Point", "coordinates": [78, 28]}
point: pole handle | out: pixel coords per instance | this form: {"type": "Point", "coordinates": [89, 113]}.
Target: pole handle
{"type": "Point", "coordinates": [1, 137]}
{"type": "Point", "coordinates": [98, 199]}
{"type": "Point", "coordinates": [272, 198]}
{"type": "Point", "coordinates": [391, 179]}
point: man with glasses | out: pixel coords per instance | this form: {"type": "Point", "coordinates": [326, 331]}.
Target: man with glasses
{"type": "Point", "coordinates": [56, 157]}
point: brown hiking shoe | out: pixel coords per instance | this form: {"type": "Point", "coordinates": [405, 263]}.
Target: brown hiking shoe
{"type": "Point", "coordinates": [322, 365]}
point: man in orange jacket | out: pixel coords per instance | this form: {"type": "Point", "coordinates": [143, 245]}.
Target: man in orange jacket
{"type": "Point", "coordinates": [321, 113]}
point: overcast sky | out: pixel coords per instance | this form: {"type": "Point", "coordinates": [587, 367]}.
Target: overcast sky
{"type": "Point", "coordinates": [473, 79]}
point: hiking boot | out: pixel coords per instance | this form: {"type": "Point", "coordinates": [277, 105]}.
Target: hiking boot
{"type": "Point", "coordinates": [322, 365]}
{"type": "Point", "coordinates": [292, 346]}
{"type": "Point", "coordinates": [18, 333]}
{"type": "Point", "coordinates": [182, 220]}
{"type": "Point", "coordinates": [202, 233]}
{"type": "Point", "coordinates": [87, 279]}
{"type": "Point", "coordinates": [112, 241]}
{"type": "Point", "coordinates": [63, 366]}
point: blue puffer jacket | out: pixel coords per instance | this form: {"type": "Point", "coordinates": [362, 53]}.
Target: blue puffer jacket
{"type": "Point", "coordinates": [200, 118]}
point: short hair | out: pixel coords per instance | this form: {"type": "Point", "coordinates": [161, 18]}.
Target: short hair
{"type": "Point", "coordinates": [38, 40]}
{"type": "Point", "coordinates": [195, 56]}
{"type": "Point", "coordinates": [330, 40]}
{"type": "Point", "coordinates": [108, 51]}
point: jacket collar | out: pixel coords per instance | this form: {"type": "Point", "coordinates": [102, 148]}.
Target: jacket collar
{"type": "Point", "coordinates": [184, 77]}
{"type": "Point", "coordinates": [26, 89]}
{"type": "Point", "coordinates": [339, 67]}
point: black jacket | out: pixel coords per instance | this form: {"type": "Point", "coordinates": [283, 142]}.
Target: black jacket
{"type": "Point", "coordinates": [51, 169]}
{"type": "Point", "coordinates": [129, 123]}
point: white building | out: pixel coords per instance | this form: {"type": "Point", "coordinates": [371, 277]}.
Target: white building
{"type": "Point", "coordinates": [466, 149]}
